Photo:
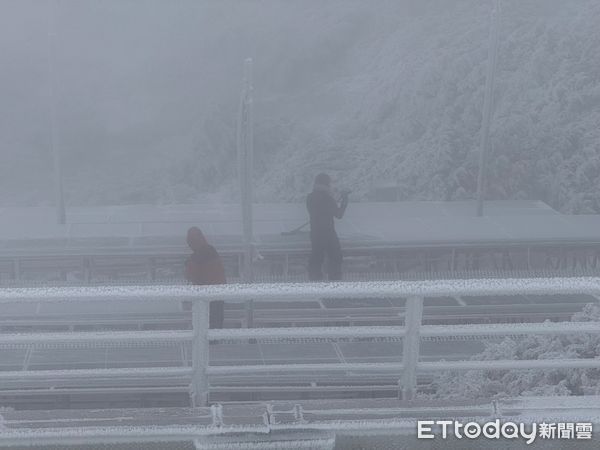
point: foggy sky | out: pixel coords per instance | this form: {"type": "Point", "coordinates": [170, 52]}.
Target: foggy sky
{"type": "Point", "coordinates": [145, 83]}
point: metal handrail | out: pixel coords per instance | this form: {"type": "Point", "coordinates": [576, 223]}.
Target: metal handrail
{"type": "Point", "coordinates": [200, 335]}
{"type": "Point", "coordinates": [270, 423]}
{"type": "Point", "coordinates": [290, 292]}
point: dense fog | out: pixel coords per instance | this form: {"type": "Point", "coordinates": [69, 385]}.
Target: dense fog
{"type": "Point", "coordinates": [379, 92]}
{"type": "Point", "coordinates": [418, 236]}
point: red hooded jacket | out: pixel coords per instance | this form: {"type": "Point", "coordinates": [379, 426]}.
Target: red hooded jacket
{"type": "Point", "coordinates": [204, 266]}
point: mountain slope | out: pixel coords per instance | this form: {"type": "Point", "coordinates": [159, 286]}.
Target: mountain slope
{"type": "Point", "coordinates": [388, 91]}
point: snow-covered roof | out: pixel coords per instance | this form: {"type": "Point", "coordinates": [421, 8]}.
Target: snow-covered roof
{"type": "Point", "coordinates": [373, 224]}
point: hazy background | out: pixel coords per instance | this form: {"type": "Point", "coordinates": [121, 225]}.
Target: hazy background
{"type": "Point", "coordinates": [378, 91]}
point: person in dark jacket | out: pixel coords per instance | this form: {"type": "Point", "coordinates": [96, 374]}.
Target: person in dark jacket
{"type": "Point", "coordinates": [204, 267]}
{"type": "Point", "coordinates": [322, 209]}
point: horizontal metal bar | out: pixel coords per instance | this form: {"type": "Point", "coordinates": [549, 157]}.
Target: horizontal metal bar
{"type": "Point", "coordinates": [85, 436]}
{"type": "Point", "coordinates": [119, 337]}
{"type": "Point", "coordinates": [437, 366]}
{"type": "Point", "coordinates": [304, 388]}
{"type": "Point", "coordinates": [306, 333]}
{"type": "Point", "coordinates": [36, 392]}
{"type": "Point", "coordinates": [289, 292]}
{"type": "Point", "coordinates": [361, 423]}
{"type": "Point", "coordinates": [351, 245]}
{"type": "Point", "coordinates": [324, 367]}
{"type": "Point", "coordinates": [440, 366]}
{"type": "Point", "coordinates": [504, 329]}
{"type": "Point", "coordinates": [93, 337]}
{"type": "Point", "coordinates": [548, 328]}
{"type": "Point", "coordinates": [95, 374]}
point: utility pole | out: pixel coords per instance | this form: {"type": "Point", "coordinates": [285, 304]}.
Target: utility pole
{"type": "Point", "coordinates": [61, 216]}
{"type": "Point", "coordinates": [488, 105]}
{"type": "Point", "coordinates": [245, 145]}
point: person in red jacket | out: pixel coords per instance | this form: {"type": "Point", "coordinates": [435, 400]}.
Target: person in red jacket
{"type": "Point", "coordinates": [204, 267]}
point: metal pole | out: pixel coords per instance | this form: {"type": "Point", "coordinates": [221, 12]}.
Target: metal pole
{"type": "Point", "coordinates": [200, 356]}
{"type": "Point", "coordinates": [488, 104]}
{"type": "Point", "coordinates": [58, 182]}
{"type": "Point", "coordinates": [246, 169]}
{"type": "Point", "coordinates": [410, 351]}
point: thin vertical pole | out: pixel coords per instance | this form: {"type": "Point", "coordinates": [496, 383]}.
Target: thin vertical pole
{"type": "Point", "coordinates": [411, 344]}
{"type": "Point", "coordinates": [200, 355]}
{"type": "Point", "coordinates": [58, 182]}
{"type": "Point", "coordinates": [488, 104]}
{"type": "Point", "coordinates": [246, 170]}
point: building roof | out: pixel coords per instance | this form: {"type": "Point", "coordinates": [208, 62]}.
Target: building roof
{"type": "Point", "coordinates": [367, 223]}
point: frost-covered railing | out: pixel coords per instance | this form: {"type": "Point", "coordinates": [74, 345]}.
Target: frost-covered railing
{"type": "Point", "coordinates": [315, 424]}
{"type": "Point", "coordinates": [199, 336]}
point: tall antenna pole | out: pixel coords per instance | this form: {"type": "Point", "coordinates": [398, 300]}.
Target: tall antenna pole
{"type": "Point", "coordinates": [245, 144]}
{"type": "Point", "coordinates": [61, 216]}
{"type": "Point", "coordinates": [488, 104]}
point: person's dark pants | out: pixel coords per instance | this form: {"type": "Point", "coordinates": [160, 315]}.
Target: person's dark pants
{"type": "Point", "coordinates": [325, 245]}
{"type": "Point", "coordinates": [216, 314]}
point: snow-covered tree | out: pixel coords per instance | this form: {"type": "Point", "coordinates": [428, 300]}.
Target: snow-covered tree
{"type": "Point", "coordinates": [484, 384]}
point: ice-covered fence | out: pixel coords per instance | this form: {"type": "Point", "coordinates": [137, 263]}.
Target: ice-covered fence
{"type": "Point", "coordinates": [202, 371]}
{"type": "Point", "coordinates": [305, 291]}
{"type": "Point", "coordinates": [314, 424]}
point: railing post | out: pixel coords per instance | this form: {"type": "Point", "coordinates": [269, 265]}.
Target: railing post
{"type": "Point", "coordinates": [87, 269]}
{"type": "Point", "coordinates": [410, 351]}
{"type": "Point", "coordinates": [200, 356]}
{"type": "Point", "coordinates": [17, 270]}
{"type": "Point", "coordinates": [249, 309]}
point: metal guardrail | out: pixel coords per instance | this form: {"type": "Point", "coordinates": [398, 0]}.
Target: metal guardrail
{"type": "Point", "coordinates": [301, 424]}
{"type": "Point", "coordinates": [199, 337]}
{"type": "Point", "coordinates": [363, 261]}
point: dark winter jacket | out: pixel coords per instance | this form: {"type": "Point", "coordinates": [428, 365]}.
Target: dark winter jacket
{"type": "Point", "coordinates": [322, 208]}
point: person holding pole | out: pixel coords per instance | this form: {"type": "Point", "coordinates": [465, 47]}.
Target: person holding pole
{"type": "Point", "coordinates": [322, 209]}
